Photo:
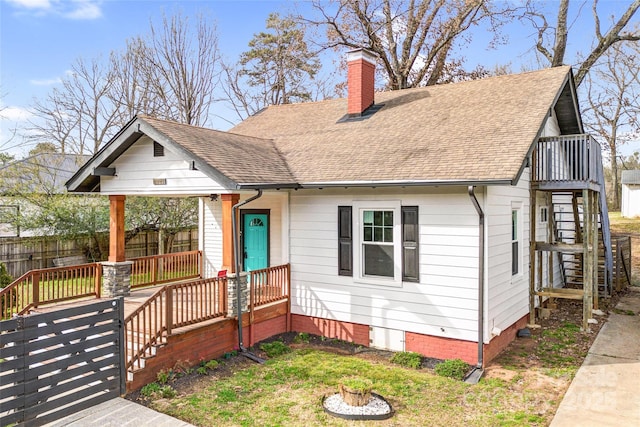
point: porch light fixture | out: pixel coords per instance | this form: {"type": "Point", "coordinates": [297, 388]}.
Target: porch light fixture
{"type": "Point", "coordinates": [213, 197]}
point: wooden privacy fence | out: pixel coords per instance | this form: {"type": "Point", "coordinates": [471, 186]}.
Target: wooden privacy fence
{"type": "Point", "coordinates": [50, 285]}
{"type": "Point", "coordinates": [158, 269]}
{"type": "Point", "coordinates": [171, 307]}
{"type": "Point", "coordinates": [58, 363]}
{"type": "Point", "coordinates": [21, 254]}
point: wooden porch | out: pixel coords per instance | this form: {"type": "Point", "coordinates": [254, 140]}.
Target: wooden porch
{"type": "Point", "coordinates": [156, 312]}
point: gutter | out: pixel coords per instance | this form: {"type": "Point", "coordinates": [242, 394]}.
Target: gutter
{"type": "Point", "coordinates": [474, 376]}
{"type": "Point", "coordinates": [236, 251]}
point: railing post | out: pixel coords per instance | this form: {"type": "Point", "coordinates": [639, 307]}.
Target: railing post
{"type": "Point", "coordinates": [98, 279]}
{"type": "Point", "coordinates": [35, 288]}
{"type": "Point", "coordinates": [169, 308]}
{"type": "Point", "coordinates": [288, 276]}
{"type": "Point", "coordinates": [154, 269]}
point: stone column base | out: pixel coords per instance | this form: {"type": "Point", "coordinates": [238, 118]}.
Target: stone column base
{"type": "Point", "coordinates": [116, 279]}
{"type": "Point", "coordinates": [232, 296]}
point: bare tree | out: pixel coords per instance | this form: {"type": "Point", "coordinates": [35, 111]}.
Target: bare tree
{"type": "Point", "coordinates": [78, 117]}
{"type": "Point", "coordinates": [131, 91]}
{"type": "Point", "coordinates": [182, 68]}
{"type": "Point", "coordinates": [415, 40]}
{"type": "Point", "coordinates": [277, 69]}
{"type": "Point", "coordinates": [613, 89]}
{"type": "Point", "coordinates": [552, 41]}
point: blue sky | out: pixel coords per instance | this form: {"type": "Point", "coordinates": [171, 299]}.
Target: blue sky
{"type": "Point", "coordinates": [40, 39]}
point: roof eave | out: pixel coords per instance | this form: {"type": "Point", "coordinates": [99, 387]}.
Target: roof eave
{"type": "Point", "coordinates": [406, 183]}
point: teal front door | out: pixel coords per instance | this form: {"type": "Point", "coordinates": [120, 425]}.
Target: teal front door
{"type": "Point", "coordinates": [256, 241]}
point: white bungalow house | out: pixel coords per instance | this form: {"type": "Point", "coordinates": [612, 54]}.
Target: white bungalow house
{"type": "Point", "coordinates": [406, 216]}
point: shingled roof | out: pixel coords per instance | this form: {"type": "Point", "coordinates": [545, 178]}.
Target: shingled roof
{"type": "Point", "coordinates": [476, 131]}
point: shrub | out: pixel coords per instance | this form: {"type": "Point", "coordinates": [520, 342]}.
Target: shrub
{"type": "Point", "coordinates": [201, 370]}
{"type": "Point", "coordinates": [453, 368]}
{"type": "Point", "coordinates": [302, 337]}
{"type": "Point", "coordinates": [211, 364]}
{"type": "Point", "coordinates": [275, 348]}
{"type": "Point", "coordinates": [157, 390]}
{"type": "Point", "coordinates": [408, 359]}
{"type": "Point", "coordinates": [164, 376]}
{"type": "Point", "coordinates": [150, 389]}
{"type": "Point", "coordinates": [5, 278]}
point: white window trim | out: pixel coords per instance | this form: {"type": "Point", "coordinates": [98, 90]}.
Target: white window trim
{"type": "Point", "coordinates": [358, 262]}
{"type": "Point", "coordinates": [517, 206]}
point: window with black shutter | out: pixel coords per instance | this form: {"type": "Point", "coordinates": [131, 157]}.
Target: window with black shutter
{"type": "Point", "coordinates": [345, 241]}
{"type": "Point", "coordinates": [410, 244]}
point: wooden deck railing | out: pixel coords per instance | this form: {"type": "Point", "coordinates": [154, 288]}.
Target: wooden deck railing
{"type": "Point", "coordinates": [171, 307]}
{"type": "Point", "coordinates": [269, 285]}
{"type": "Point", "coordinates": [566, 158]}
{"type": "Point", "coordinates": [158, 269]}
{"type": "Point", "coordinates": [50, 285]}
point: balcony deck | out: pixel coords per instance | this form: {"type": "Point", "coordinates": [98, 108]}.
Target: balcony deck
{"type": "Point", "coordinates": [567, 163]}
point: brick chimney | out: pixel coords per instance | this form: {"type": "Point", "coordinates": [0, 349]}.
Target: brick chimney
{"type": "Point", "coordinates": [360, 81]}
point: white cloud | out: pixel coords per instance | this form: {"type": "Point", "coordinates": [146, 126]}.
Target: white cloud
{"type": "Point", "coordinates": [45, 82]}
{"type": "Point", "coordinates": [84, 9]}
{"type": "Point", "coordinates": [74, 9]}
{"type": "Point", "coordinates": [31, 4]}
{"type": "Point", "coordinates": [15, 114]}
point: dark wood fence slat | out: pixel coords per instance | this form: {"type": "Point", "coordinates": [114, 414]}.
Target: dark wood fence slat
{"type": "Point", "coordinates": [77, 352]}
{"type": "Point", "coordinates": [65, 366]}
{"type": "Point", "coordinates": [43, 394]}
{"type": "Point", "coordinates": [66, 331]}
{"type": "Point", "coordinates": [60, 332]}
{"type": "Point", "coordinates": [35, 319]}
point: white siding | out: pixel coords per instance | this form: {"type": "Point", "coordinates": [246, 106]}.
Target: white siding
{"type": "Point", "coordinates": [211, 236]}
{"type": "Point", "coordinates": [444, 303]}
{"type": "Point", "coordinates": [137, 168]}
{"type": "Point", "coordinates": [508, 295]}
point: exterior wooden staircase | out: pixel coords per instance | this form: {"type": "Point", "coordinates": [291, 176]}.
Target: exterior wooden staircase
{"type": "Point", "coordinates": [567, 172]}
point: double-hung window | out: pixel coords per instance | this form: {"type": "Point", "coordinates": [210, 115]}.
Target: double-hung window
{"type": "Point", "coordinates": [378, 249]}
{"type": "Point", "coordinates": [516, 240]}
{"type": "Point", "coordinates": [383, 247]}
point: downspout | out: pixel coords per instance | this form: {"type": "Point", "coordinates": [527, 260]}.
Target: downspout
{"type": "Point", "coordinates": [477, 372]}
{"type": "Point", "coordinates": [236, 252]}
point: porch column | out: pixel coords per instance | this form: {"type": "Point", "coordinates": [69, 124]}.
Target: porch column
{"type": "Point", "coordinates": [228, 200]}
{"type": "Point", "coordinates": [116, 229]}
{"type": "Point", "coordinates": [116, 272]}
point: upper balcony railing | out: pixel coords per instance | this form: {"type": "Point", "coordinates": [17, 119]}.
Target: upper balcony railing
{"type": "Point", "coordinates": [567, 162]}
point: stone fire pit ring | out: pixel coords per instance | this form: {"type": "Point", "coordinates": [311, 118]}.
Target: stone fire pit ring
{"type": "Point", "coordinates": [377, 409]}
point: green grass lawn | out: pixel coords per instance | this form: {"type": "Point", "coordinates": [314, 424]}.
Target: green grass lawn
{"type": "Point", "coordinates": [288, 390]}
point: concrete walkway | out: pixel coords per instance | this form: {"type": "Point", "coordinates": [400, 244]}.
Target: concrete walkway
{"type": "Point", "coordinates": [606, 389]}
{"type": "Point", "coordinates": [118, 412]}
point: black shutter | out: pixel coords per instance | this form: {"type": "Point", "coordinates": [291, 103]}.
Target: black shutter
{"type": "Point", "coordinates": [345, 241]}
{"type": "Point", "coordinates": [410, 244]}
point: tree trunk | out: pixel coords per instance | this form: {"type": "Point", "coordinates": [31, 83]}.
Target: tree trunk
{"type": "Point", "coordinates": [614, 176]}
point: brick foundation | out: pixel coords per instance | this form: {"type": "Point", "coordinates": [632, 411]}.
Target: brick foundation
{"type": "Point", "coordinates": [441, 348]}
{"type": "Point", "coordinates": [352, 332]}
{"type": "Point", "coordinates": [501, 342]}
